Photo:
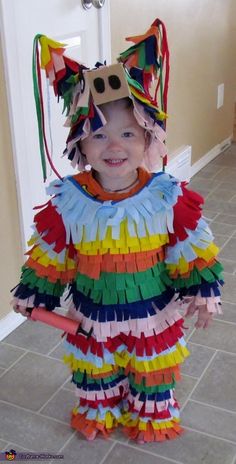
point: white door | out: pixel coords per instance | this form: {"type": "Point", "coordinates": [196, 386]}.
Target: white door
{"type": "Point", "coordinates": [88, 34]}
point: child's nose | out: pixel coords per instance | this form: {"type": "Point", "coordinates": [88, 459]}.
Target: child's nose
{"type": "Point", "coordinates": [114, 145]}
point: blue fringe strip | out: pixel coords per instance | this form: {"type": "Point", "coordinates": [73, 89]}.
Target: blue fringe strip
{"type": "Point", "coordinates": [152, 397]}
{"type": "Point", "coordinates": [119, 312]}
{"type": "Point", "coordinates": [49, 301]}
{"type": "Point", "coordinates": [206, 289]}
{"type": "Point", "coordinates": [97, 386]}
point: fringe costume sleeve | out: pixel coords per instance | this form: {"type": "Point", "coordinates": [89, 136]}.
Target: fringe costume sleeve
{"type": "Point", "coordinates": [50, 265]}
{"type": "Point", "coordinates": [191, 255]}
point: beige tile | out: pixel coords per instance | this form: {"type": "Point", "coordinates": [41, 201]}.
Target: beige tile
{"type": "Point", "coordinates": [209, 215]}
{"type": "Point", "coordinates": [3, 444]}
{"type": "Point", "coordinates": [58, 352]}
{"type": "Point", "coordinates": [9, 354]}
{"type": "Point", "coordinates": [210, 420]}
{"type": "Point", "coordinates": [227, 173]}
{"type": "Point", "coordinates": [60, 406]}
{"type": "Point", "coordinates": [79, 450]}
{"type": "Point", "coordinates": [69, 385]}
{"type": "Point", "coordinates": [198, 360]}
{"type": "Point", "coordinates": [223, 194]}
{"type": "Point", "coordinates": [135, 455]}
{"type": "Point", "coordinates": [229, 250]}
{"type": "Point", "coordinates": [32, 431]}
{"type": "Point", "coordinates": [229, 266]}
{"type": "Point", "coordinates": [220, 240]}
{"type": "Point", "coordinates": [194, 448]}
{"type": "Point", "coordinates": [184, 388]}
{"type": "Point", "coordinates": [34, 336]}
{"type": "Point", "coordinates": [219, 336]}
{"type": "Point", "coordinates": [222, 229]}
{"type": "Point", "coordinates": [197, 182]}
{"type": "Point", "coordinates": [217, 387]}
{"type": "Point", "coordinates": [32, 381]}
{"type": "Point", "coordinates": [229, 288]}
{"type": "Point", "coordinates": [229, 312]}
{"type": "Point", "coordinates": [220, 206]}
{"type": "Point", "coordinates": [226, 218]}
{"type": "Point", "coordinates": [212, 172]}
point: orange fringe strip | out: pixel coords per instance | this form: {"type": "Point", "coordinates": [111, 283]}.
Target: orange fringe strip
{"type": "Point", "coordinates": [89, 428]}
{"type": "Point", "coordinates": [155, 378]}
{"type": "Point", "coordinates": [150, 434]}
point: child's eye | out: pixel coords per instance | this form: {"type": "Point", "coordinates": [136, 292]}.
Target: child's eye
{"type": "Point", "coordinates": [99, 136]}
{"type": "Point", "coordinates": [128, 134]}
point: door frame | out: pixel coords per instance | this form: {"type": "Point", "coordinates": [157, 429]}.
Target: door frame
{"type": "Point", "coordinates": [15, 99]}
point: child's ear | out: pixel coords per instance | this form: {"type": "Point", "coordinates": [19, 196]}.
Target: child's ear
{"type": "Point", "coordinates": [147, 137]}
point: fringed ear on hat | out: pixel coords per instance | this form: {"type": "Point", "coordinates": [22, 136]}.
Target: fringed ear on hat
{"type": "Point", "coordinates": [66, 77]}
{"type": "Point", "coordinates": [148, 61]}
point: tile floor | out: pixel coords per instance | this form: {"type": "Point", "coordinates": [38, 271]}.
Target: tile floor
{"type": "Point", "coordinates": [36, 395]}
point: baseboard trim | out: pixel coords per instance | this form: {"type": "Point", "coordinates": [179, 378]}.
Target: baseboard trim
{"type": "Point", "coordinates": [9, 323]}
{"type": "Point", "coordinates": [208, 157]}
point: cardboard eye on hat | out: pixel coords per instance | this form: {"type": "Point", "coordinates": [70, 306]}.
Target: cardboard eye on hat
{"type": "Point", "coordinates": [108, 83]}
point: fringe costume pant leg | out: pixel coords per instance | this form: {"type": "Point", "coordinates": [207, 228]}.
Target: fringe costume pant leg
{"type": "Point", "coordinates": [153, 370]}
{"type": "Point", "coordinates": [130, 378]}
{"type": "Point", "coordinates": [100, 384]}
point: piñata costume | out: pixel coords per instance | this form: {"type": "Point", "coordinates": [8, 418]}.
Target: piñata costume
{"type": "Point", "coordinates": [127, 259]}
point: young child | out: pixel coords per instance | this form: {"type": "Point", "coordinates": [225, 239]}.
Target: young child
{"type": "Point", "coordinates": [132, 246]}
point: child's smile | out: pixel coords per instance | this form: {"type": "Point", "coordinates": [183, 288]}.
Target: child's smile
{"type": "Point", "coordinates": [116, 150]}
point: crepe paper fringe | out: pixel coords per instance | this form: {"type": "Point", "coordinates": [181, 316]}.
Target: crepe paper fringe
{"type": "Point", "coordinates": [149, 432]}
{"type": "Point", "coordinates": [140, 346]}
{"type": "Point", "coordinates": [86, 219]}
{"type": "Point", "coordinates": [146, 59]}
{"type": "Point", "coordinates": [93, 265]}
{"type": "Point", "coordinates": [162, 361]}
{"type": "Point", "coordinates": [213, 304]}
{"type": "Point", "coordinates": [109, 358]}
{"type": "Point", "coordinates": [153, 379]}
{"type": "Point", "coordinates": [24, 292]}
{"type": "Point", "coordinates": [73, 219]}
{"type": "Point", "coordinates": [135, 322]}
{"type": "Point", "coordinates": [123, 309]}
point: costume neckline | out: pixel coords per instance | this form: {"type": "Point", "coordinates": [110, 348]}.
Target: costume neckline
{"type": "Point", "coordinates": [114, 197]}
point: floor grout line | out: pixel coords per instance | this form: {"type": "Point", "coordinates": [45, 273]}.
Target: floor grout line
{"type": "Point", "coordinates": [186, 427]}
{"type": "Point", "coordinates": [234, 459]}
{"type": "Point", "coordinates": [199, 380]}
{"type": "Point", "coordinates": [108, 452]}
{"type": "Point", "coordinates": [53, 395]}
{"type": "Point", "coordinates": [55, 347]}
{"type": "Point", "coordinates": [212, 406]}
{"type": "Point", "coordinates": [60, 451]}
{"type": "Point", "coordinates": [13, 364]}
{"type": "Point", "coordinates": [216, 349]}
{"type": "Point", "coordinates": [223, 320]}
{"type": "Point", "coordinates": [144, 451]}
{"type": "Point", "coordinates": [36, 413]}
{"type": "Point", "coordinates": [33, 352]}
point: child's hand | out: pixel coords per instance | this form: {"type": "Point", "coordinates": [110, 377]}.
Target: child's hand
{"type": "Point", "coordinates": [22, 310]}
{"type": "Point", "coordinates": [204, 316]}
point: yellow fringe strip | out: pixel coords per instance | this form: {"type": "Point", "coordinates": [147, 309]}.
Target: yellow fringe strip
{"type": "Point", "coordinates": [122, 360]}
{"type": "Point", "coordinates": [184, 266]}
{"type": "Point", "coordinates": [124, 244]}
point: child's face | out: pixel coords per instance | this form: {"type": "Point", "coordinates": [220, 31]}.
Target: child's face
{"type": "Point", "coordinates": [116, 150]}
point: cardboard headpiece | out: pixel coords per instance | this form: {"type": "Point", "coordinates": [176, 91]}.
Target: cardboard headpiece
{"type": "Point", "coordinates": [83, 90]}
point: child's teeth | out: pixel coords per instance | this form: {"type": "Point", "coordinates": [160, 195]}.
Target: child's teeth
{"type": "Point", "coordinates": [115, 161]}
